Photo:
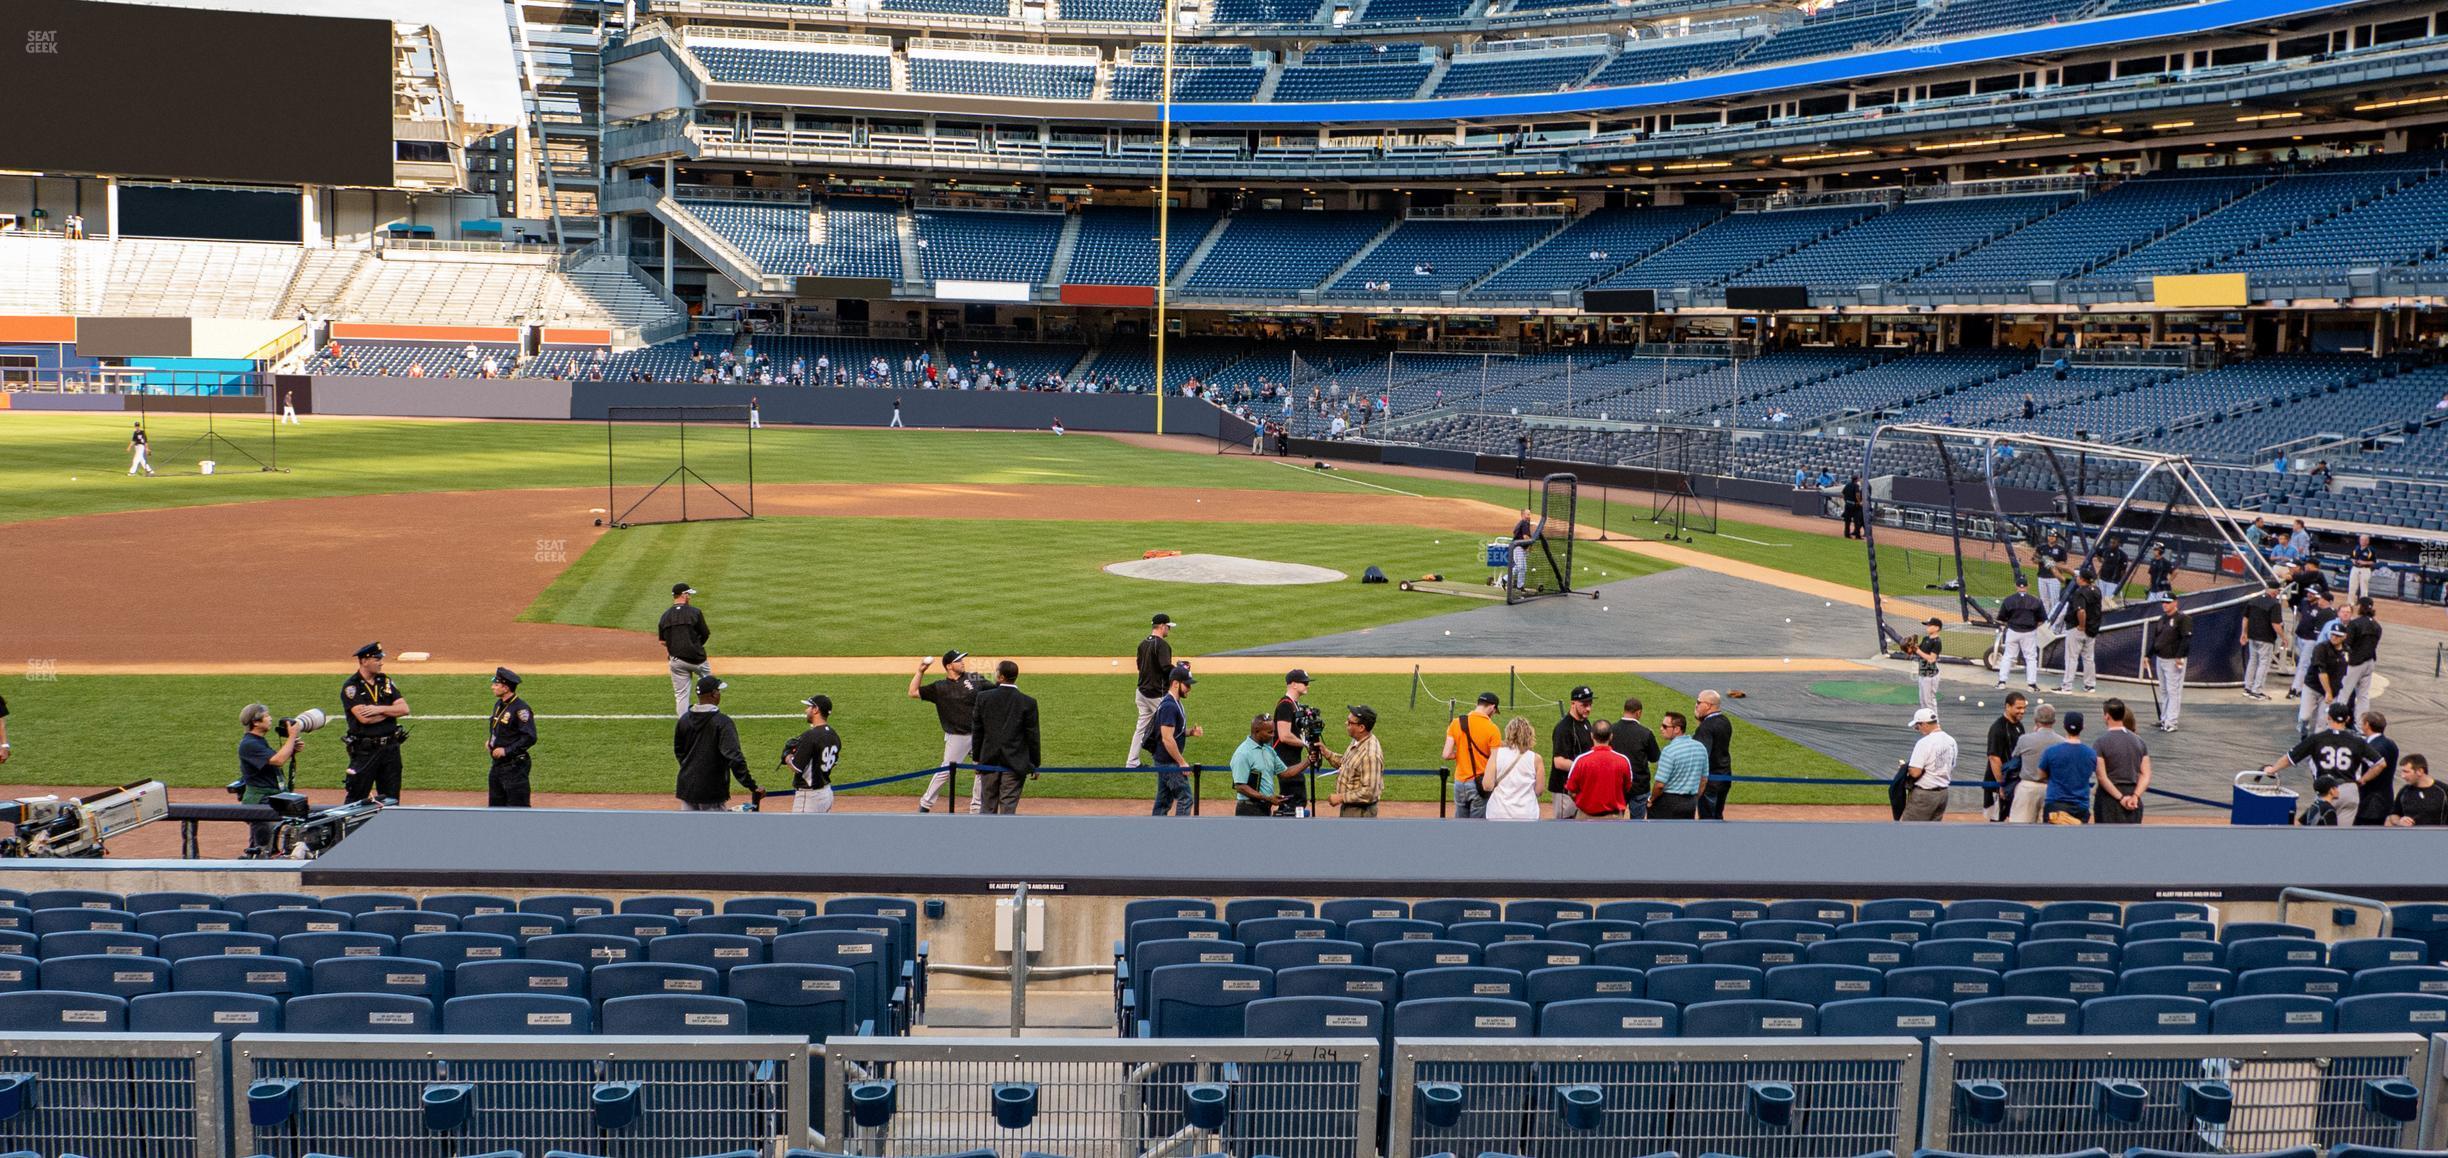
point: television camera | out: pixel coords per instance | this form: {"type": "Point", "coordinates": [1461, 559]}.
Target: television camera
{"type": "Point", "coordinates": [78, 826]}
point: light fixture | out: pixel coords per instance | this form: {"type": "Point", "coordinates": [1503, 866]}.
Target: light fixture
{"type": "Point", "coordinates": [1987, 142]}
{"type": "Point", "coordinates": [2165, 126]}
{"type": "Point", "coordinates": [2402, 102]}
{"type": "Point", "coordinates": [1840, 155]}
{"type": "Point", "coordinates": [2259, 117]}
{"type": "Point", "coordinates": [1688, 166]}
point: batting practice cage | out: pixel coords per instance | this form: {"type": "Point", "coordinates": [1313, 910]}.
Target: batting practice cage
{"type": "Point", "coordinates": [1991, 499]}
{"type": "Point", "coordinates": [209, 433]}
{"type": "Point", "coordinates": [1678, 454]}
{"type": "Point", "coordinates": [1543, 563]}
{"type": "Point", "coordinates": [678, 464]}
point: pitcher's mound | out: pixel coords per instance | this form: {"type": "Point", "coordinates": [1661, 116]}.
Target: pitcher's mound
{"type": "Point", "coordinates": [1223, 569]}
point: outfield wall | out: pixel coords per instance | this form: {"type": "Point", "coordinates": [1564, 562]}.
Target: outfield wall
{"type": "Point", "coordinates": [437, 397]}
{"type": "Point", "coordinates": [867, 406]}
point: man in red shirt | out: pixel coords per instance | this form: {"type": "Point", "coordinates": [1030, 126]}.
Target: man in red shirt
{"type": "Point", "coordinates": [1601, 777]}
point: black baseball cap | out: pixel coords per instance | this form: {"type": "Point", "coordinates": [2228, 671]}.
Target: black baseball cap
{"type": "Point", "coordinates": [2341, 713]}
{"type": "Point", "coordinates": [954, 656]}
{"type": "Point", "coordinates": [1365, 714]}
{"type": "Point", "coordinates": [1296, 676]}
{"type": "Point", "coordinates": [1584, 694]}
{"type": "Point", "coordinates": [2087, 574]}
{"type": "Point", "coordinates": [708, 685]}
{"type": "Point", "coordinates": [683, 589]}
{"type": "Point", "coordinates": [1160, 619]}
{"type": "Point", "coordinates": [1933, 621]}
{"type": "Point", "coordinates": [1489, 698]}
{"type": "Point", "coordinates": [1181, 674]}
{"type": "Point", "coordinates": [820, 702]}
{"type": "Point", "coordinates": [2020, 581]}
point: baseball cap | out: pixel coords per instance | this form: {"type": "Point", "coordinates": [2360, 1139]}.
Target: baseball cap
{"type": "Point", "coordinates": [683, 589]}
{"type": "Point", "coordinates": [708, 685]}
{"type": "Point", "coordinates": [2087, 574]}
{"type": "Point", "coordinates": [1933, 621]}
{"type": "Point", "coordinates": [2020, 581]}
{"type": "Point", "coordinates": [1160, 619]}
{"type": "Point", "coordinates": [1489, 698]}
{"type": "Point", "coordinates": [1296, 676]}
{"type": "Point", "coordinates": [1364, 713]}
{"type": "Point", "coordinates": [820, 702]}
{"type": "Point", "coordinates": [1925, 716]}
{"type": "Point", "coordinates": [2072, 722]}
{"type": "Point", "coordinates": [2341, 713]}
{"type": "Point", "coordinates": [1584, 694]}
{"type": "Point", "coordinates": [954, 656]}
{"type": "Point", "coordinates": [2324, 785]}
{"type": "Point", "coordinates": [1181, 674]}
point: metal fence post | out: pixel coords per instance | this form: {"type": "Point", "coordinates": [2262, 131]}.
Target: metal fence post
{"type": "Point", "coordinates": [1019, 961]}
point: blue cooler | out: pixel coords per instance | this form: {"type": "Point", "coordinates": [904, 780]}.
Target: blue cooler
{"type": "Point", "coordinates": [2260, 799]}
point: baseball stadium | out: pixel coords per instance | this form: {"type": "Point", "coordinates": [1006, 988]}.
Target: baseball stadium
{"type": "Point", "coordinates": [983, 578]}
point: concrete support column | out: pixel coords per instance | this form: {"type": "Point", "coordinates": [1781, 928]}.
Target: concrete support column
{"type": "Point", "coordinates": [110, 208]}
{"type": "Point", "coordinates": [310, 216]}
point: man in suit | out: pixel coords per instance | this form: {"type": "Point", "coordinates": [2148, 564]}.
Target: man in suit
{"type": "Point", "coordinates": [1005, 736]}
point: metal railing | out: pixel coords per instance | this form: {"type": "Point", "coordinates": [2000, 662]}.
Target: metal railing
{"type": "Point", "coordinates": [540, 250]}
{"type": "Point", "coordinates": [530, 1094]}
{"type": "Point", "coordinates": [1509, 209]}
{"type": "Point", "coordinates": [1103, 1097]}
{"type": "Point", "coordinates": [2042, 1095]}
{"type": "Point", "coordinates": [160, 1095]}
{"type": "Point", "coordinates": [1764, 1097]}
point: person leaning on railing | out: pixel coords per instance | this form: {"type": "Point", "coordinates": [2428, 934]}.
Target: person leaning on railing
{"type": "Point", "coordinates": [1360, 770]}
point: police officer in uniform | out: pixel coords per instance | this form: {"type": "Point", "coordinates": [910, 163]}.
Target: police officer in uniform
{"type": "Point", "coordinates": [374, 708]}
{"type": "Point", "coordinates": [508, 740]}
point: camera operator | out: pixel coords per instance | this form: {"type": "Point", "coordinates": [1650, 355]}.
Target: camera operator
{"type": "Point", "coordinates": [1298, 728]}
{"type": "Point", "coordinates": [257, 759]}
{"type": "Point", "coordinates": [375, 708]}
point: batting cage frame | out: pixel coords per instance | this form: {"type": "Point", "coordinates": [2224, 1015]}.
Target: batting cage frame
{"type": "Point", "coordinates": [1543, 563]}
{"type": "Point", "coordinates": [1674, 503]}
{"type": "Point", "coordinates": [2170, 483]}
{"type": "Point", "coordinates": [723, 500]}
{"type": "Point", "coordinates": [193, 447]}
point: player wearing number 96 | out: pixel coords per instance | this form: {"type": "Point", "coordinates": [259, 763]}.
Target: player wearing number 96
{"type": "Point", "coordinates": [812, 755]}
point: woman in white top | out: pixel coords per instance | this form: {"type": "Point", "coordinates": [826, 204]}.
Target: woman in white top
{"type": "Point", "coordinates": [1512, 777]}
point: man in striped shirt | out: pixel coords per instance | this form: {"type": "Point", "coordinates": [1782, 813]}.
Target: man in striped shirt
{"type": "Point", "coordinates": [1682, 771]}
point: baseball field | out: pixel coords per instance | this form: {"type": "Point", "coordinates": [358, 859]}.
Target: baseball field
{"type": "Point", "coordinates": [139, 614]}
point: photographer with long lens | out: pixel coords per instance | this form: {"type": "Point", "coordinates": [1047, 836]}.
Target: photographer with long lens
{"type": "Point", "coordinates": [259, 768]}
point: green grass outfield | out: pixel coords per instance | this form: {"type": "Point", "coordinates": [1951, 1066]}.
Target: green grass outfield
{"type": "Point", "coordinates": [183, 729]}
{"type": "Point", "coordinates": [846, 586]}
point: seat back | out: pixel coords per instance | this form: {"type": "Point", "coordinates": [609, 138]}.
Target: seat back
{"type": "Point", "coordinates": [1314, 1017]}
{"type": "Point", "coordinates": [1727, 910]}
{"type": "Point", "coordinates": [1775, 929]}
{"type": "Point", "coordinates": [1140, 932]}
{"type": "Point", "coordinates": [277, 977]}
{"type": "Point", "coordinates": [1202, 1000]}
{"type": "Point", "coordinates": [41, 899]}
{"type": "Point", "coordinates": [720, 952]}
{"type": "Point", "coordinates": [635, 926]}
{"type": "Point", "coordinates": [290, 922]}
{"type": "Point", "coordinates": [1349, 909]}
{"type": "Point", "coordinates": [2145, 912]}
{"type": "Point", "coordinates": [1762, 955]}
{"type": "Point", "coordinates": [1646, 955]}
{"type": "Point", "coordinates": [108, 973]}
{"type": "Point", "coordinates": [1374, 931]}
{"type": "Point", "coordinates": [587, 949]}
{"type": "Point", "coordinates": [2423, 1013]}
{"type": "Point", "coordinates": [681, 908]}
{"type": "Point", "coordinates": [787, 908]}
{"type": "Point", "coordinates": [1883, 1017]}
{"type": "Point", "coordinates": [62, 1011]}
{"type": "Point", "coordinates": [359, 1014]}
{"type": "Point", "coordinates": [477, 978]}
{"type": "Point", "coordinates": [798, 1000]}
{"type": "Point", "coordinates": [252, 903]}
{"type": "Point", "coordinates": [1826, 912]}
{"type": "Point", "coordinates": [18, 974]}
{"type": "Point", "coordinates": [1978, 929]}
{"type": "Point", "coordinates": [903, 912]}
{"type": "Point", "coordinates": [1260, 908]}
{"type": "Point", "coordinates": [1486, 933]}
{"type": "Point", "coordinates": [675, 1015]}
{"type": "Point", "coordinates": [393, 976]}
{"type": "Point", "coordinates": [570, 907]}
{"type": "Point", "coordinates": [2071, 984]}
{"type": "Point", "coordinates": [1609, 1017]}
{"type": "Point", "coordinates": [1639, 912]}
{"type": "Point", "coordinates": [518, 1015]}
{"type": "Point", "coordinates": [520, 927]}
{"type": "Point", "coordinates": [2097, 912]}
{"type": "Point", "coordinates": [1455, 910]}
{"type": "Point", "coordinates": [75, 920]}
{"type": "Point", "coordinates": [1866, 930]}
{"type": "Point", "coordinates": [2425, 921]}
{"type": "Point", "coordinates": [1184, 951]}
{"type": "Point", "coordinates": [631, 978]}
{"type": "Point", "coordinates": [2069, 953]}
{"type": "Point", "coordinates": [2273, 1013]}
{"type": "Point", "coordinates": [1543, 987]}
{"type": "Point", "coordinates": [1595, 932]}
{"type": "Point", "coordinates": [762, 926]}
{"type": "Point", "coordinates": [465, 905]}
{"type": "Point", "coordinates": [1463, 981]}
{"type": "Point", "coordinates": [1919, 910]}
{"type": "Point", "coordinates": [1281, 955]}
{"type": "Point", "coordinates": [1524, 956]}
{"type": "Point", "coordinates": [1821, 984]}
{"type": "Point", "coordinates": [2326, 984]}
{"type": "Point", "coordinates": [313, 947]}
{"type": "Point", "coordinates": [359, 904]}
{"type": "Point", "coordinates": [2364, 953]}
{"type": "Point", "coordinates": [449, 950]}
{"type": "Point", "coordinates": [2075, 931]}
{"type": "Point", "coordinates": [401, 923]}
{"type": "Point", "coordinates": [1750, 1018]}
{"type": "Point", "coordinates": [1362, 982]}
{"type": "Point", "coordinates": [1689, 985]}
{"type": "Point", "coordinates": [1993, 910]}
{"type": "Point", "coordinates": [2145, 1015]}
{"type": "Point", "coordinates": [122, 942]}
{"type": "Point", "coordinates": [223, 1014]}
{"type": "Point", "coordinates": [2016, 1017]}
{"type": "Point", "coordinates": [1947, 983]}
{"type": "Point", "coordinates": [1691, 930]}
{"type": "Point", "coordinates": [2174, 951]}
{"type": "Point", "coordinates": [1463, 1017]}
{"type": "Point", "coordinates": [2387, 979]}
{"type": "Point", "coordinates": [169, 922]}
{"type": "Point", "coordinates": [2234, 931]}
{"type": "Point", "coordinates": [867, 955]}
{"type": "Point", "coordinates": [170, 902]}
{"type": "Point", "coordinates": [1260, 930]}
{"type": "Point", "coordinates": [1876, 953]}
{"type": "Point", "coordinates": [2178, 981]}
{"type": "Point", "coordinates": [2189, 929]}
{"type": "Point", "coordinates": [1405, 956]}
{"type": "Point", "coordinates": [1547, 912]}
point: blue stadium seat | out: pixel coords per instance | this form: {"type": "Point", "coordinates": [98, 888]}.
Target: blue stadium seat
{"type": "Point", "coordinates": [1916, 909]}
{"type": "Point", "coordinates": [1821, 984]}
{"type": "Point", "coordinates": [2017, 1017]}
{"type": "Point", "coordinates": [631, 978]}
{"type": "Point", "coordinates": [1259, 930]}
{"type": "Point", "coordinates": [758, 925]}
{"type": "Point", "coordinates": [788, 908]}
{"type": "Point", "coordinates": [2326, 984]}
{"type": "Point", "coordinates": [1609, 1017]}
{"type": "Point", "coordinates": [18, 974]}
{"type": "Point", "coordinates": [77, 920]}
{"type": "Point", "coordinates": [1281, 955]}
{"type": "Point", "coordinates": [1773, 929]}
{"type": "Point", "coordinates": [1463, 981]}
{"type": "Point", "coordinates": [2364, 953]}
{"type": "Point", "coordinates": [2094, 1152]}
{"type": "Point", "coordinates": [635, 926]}
{"type": "Point", "coordinates": [1344, 912]}
{"type": "Point", "coordinates": [1486, 933]}
{"type": "Point", "coordinates": [2095, 912]}
{"type": "Point", "coordinates": [1299, 1017]}
{"type": "Point", "coordinates": [868, 955]}
{"type": "Point", "coordinates": [2423, 1013]}
{"type": "Point", "coordinates": [281, 922]}
{"type": "Point", "coordinates": [556, 977]}
{"type": "Point", "coordinates": [204, 1012]}
{"type": "Point", "coordinates": [1361, 982]}
{"type": "Point", "coordinates": [449, 950]}
{"type": "Point", "coordinates": [2188, 929]}
{"type": "Point", "coordinates": [100, 973]}
{"type": "Point", "coordinates": [1184, 951]}
{"type": "Point", "coordinates": [2152, 1014]}
{"type": "Point", "coordinates": [2160, 951]}
{"type": "Point", "coordinates": [169, 922]}
{"type": "Point", "coordinates": [1405, 956]}
{"type": "Point", "coordinates": [1525, 956]}
{"type": "Point", "coordinates": [1259, 908]}
{"type": "Point", "coordinates": [720, 952]}
{"type": "Point", "coordinates": [2351, 1150]}
{"type": "Point", "coordinates": [799, 1000]}
{"type": "Point", "coordinates": [400, 923]}
{"type": "Point", "coordinates": [2426, 922]}
{"type": "Point", "coordinates": [1967, 953]}
{"type": "Point", "coordinates": [253, 903]}
{"type": "Point", "coordinates": [2071, 984]}
{"type": "Point", "coordinates": [394, 976]}
{"type": "Point", "coordinates": [468, 904]}
{"type": "Point", "coordinates": [178, 947]}
{"type": "Point", "coordinates": [1876, 953]}
{"type": "Point", "coordinates": [2144, 912]}
{"type": "Point", "coordinates": [1946, 983]}
{"type": "Point", "coordinates": [121, 942]}
{"type": "Point", "coordinates": [2235, 931]}
{"type": "Point", "coordinates": [2389, 979]}
{"type": "Point", "coordinates": [1159, 929]}
{"type": "Point", "coordinates": [1762, 955]}
{"type": "Point", "coordinates": [1639, 912]}
{"type": "Point", "coordinates": [904, 913]}
{"type": "Point", "coordinates": [2061, 953]}
{"type": "Point", "coordinates": [61, 1011]}
{"type": "Point", "coordinates": [1201, 1000]}
{"type": "Point", "coordinates": [2291, 1152]}
{"type": "Point", "coordinates": [1883, 1017]}
{"type": "Point", "coordinates": [2075, 931]}
{"type": "Point", "coordinates": [359, 904]}
{"type": "Point", "coordinates": [1543, 987]}
{"type": "Point", "coordinates": [1979, 928]}
{"type": "Point", "coordinates": [41, 899]}
{"type": "Point", "coordinates": [1737, 911]}
{"type": "Point", "coordinates": [2177, 981]}
{"type": "Point", "coordinates": [359, 1014]}
{"type": "Point", "coordinates": [2016, 912]}
{"type": "Point", "coordinates": [678, 907]}
{"type": "Point", "coordinates": [675, 1015]}
{"type": "Point", "coordinates": [17, 942]}
{"type": "Point", "coordinates": [520, 927]}
{"type": "Point", "coordinates": [1826, 912]}
{"type": "Point", "coordinates": [1463, 1017]}
{"type": "Point", "coordinates": [1691, 930]}
{"type": "Point", "coordinates": [1750, 1018]}
{"type": "Point", "coordinates": [2273, 1013]}
{"type": "Point", "coordinates": [587, 949]}
{"type": "Point", "coordinates": [518, 1015]}
{"type": "Point", "coordinates": [1866, 930]}
{"type": "Point", "coordinates": [1547, 912]}
{"type": "Point", "coordinates": [1595, 932]}
{"type": "Point", "coordinates": [313, 947]}
{"type": "Point", "coordinates": [281, 977]}
{"type": "Point", "coordinates": [1688, 985]}
{"type": "Point", "coordinates": [1375, 931]}
{"type": "Point", "coordinates": [570, 907]}
{"type": "Point", "coordinates": [1647, 955]}
{"type": "Point", "coordinates": [167, 902]}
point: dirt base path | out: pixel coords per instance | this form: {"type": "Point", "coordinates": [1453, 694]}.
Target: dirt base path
{"type": "Point", "coordinates": [257, 585]}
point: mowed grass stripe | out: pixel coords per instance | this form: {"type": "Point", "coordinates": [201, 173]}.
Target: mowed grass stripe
{"type": "Point", "coordinates": [184, 729]}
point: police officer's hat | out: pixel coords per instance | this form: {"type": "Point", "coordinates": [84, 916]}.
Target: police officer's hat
{"type": "Point", "coordinates": [503, 675]}
{"type": "Point", "coordinates": [371, 651]}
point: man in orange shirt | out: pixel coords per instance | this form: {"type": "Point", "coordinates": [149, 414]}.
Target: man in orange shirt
{"type": "Point", "coordinates": [1469, 741]}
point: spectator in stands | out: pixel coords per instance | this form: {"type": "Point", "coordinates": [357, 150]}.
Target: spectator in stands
{"type": "Point", "coordinates": [1682, 772]}
{"type": "Point", "coordinates": [2299, 543]}
{"type": "Point", "coordinates": [1169, 731]}
{"type": "Point", "coordinates": [1512, 777]}
{"type": "Point", "coordinates": [2124, 769]}
{"type": "Point", "coordinates": [416, 369]}
{"type": "Point", "coordinates": [2025, 804]}
{"type": "Point", "coordinates": [2421, 802]}
{"type": "Point", "coordinates": [1638, 745]}
{"type": "Point", "coordinates": [1930, 769]}
{"type": "Point", "coordinates": [1600, 778]}
{"type": "Point", "coordinates": [1005, 738]}
{"type": "Point", "coordinates": [469, 354]}
{"type": "Point", "coordinates": [707, 745]}
{"type": "Point", "coordinates": [1360, 770]}
{"type": "Point", "coordinates": [1570, 738]}
{"type": "Point", "coordinates": [2322, 475]}
{"type": "Point", "coordinates": [2378, 786]}
{"type": "Point", "coordinates": [1257, 772]}
{"type": "Point", "coordinates": [1715, 732]}
{"type": "Point", "coordinates": [2069, 768]}
{"type": "Point", "coordinates": [1469, 741]}
{"type": "Point", "coordinates": [2171, 647]}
